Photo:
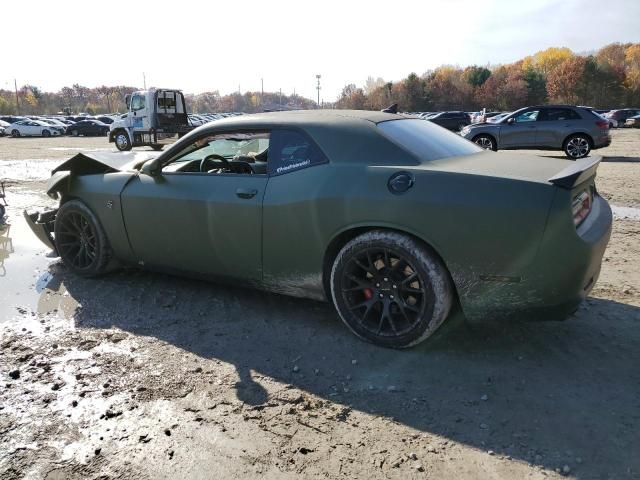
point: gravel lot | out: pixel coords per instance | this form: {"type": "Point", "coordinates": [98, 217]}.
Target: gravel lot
{"type": "Point", "coordinates": [139, 375]}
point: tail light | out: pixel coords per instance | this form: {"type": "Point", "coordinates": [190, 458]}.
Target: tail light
{"type": "Point", "coordinates": [602, 124]}
{"type": "Point", "coordinates": [581, 206]}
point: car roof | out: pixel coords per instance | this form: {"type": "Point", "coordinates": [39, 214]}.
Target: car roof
{"type": "Point", "coordinates": [306, 117]}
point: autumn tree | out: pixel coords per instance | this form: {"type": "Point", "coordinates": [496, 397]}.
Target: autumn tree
{"type": "Point", "coordinates": [476, 76]}
{"type": "Point", "coordinates": [564, 80]}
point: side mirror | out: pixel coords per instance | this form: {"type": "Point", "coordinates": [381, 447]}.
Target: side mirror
{"type": "Point", "coordinates": [150, 168]}
{"type": "Point", "coordinates": [511, 121]}
{"type": "Point", "coordinates": [127, 99]}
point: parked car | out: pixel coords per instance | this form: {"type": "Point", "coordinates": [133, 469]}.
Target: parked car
{"type": "Point", "coordinates": [321, 204]}
{"type": "Point", "coordinates": [32, 128]}
{"type": "Point", "coordinates": [633, 122]}
{"type": "Point", "coordinates": [574, 130]}
{"type": "Point", "coordinates": [105, 119]}
{"type": "Point", "coordinates": [88, 128]}
{"type": "Point", "coordinates": [3, 125]}
{"type": "Point", "coordinates": [618, 117]}
{"type": "Point", "coordinates": [56, 123]}
{"type": "Point", "coordinates": [454, 121]}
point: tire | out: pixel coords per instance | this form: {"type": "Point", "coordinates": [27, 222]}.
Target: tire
{"type": "Point", "coordinates": [122, 141]}
{"type": "Point", "coordinates": [75, 133]}
{"type": "Point", "coordinates": [80, 240]}
{"type": "Point", "coordinates": [390, 289]}
{"type": "Point", "coordinates": [577, 146]}
{"type": "Point", "coordinates": [2, 212]}
{"type": "Point", "coordinates": [46, 133]}
{"type": "Point", "coordinates": [486, 141]}
{"type": "Point", "coordinates": [157, 148]}
{"type": "Point", "coordinates": [15, 133]}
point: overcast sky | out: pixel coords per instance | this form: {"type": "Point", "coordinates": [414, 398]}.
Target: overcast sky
{"type": "Point", "coordinates": [222, 45]}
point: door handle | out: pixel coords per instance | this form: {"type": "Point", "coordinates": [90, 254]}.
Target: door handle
{"type": "Point", "coordinates": [246, 192]}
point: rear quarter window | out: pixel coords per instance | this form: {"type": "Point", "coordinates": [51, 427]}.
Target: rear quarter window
{"type": "Point", "coordinates": [425, 140]}
{"type": "Point", "coordinates": [291, 150]}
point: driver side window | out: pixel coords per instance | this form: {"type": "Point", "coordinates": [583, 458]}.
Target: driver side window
{"type": "Point", "coordinates": [224, 153]}
{"type": "Point", "coordinates": [529, 116]}
{"type": "Point", "coordinates": [137, 102]}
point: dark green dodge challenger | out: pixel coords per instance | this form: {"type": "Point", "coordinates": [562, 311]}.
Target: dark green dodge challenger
{"type": "Point", "coordinates": [393, 219]}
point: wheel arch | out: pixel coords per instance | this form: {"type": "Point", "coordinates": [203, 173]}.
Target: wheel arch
{"type": "Point", "coordinates": [573, 134]}
{"type": "Point", "coordinates": [345, 235]}
{"type": "Point", "coordinates": [492, 136]}
{"type": "Point", "coordinates": [113, 133]}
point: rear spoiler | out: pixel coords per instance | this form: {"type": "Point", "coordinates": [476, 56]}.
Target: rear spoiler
{"type": "Point", "coordinates": [577, 173]}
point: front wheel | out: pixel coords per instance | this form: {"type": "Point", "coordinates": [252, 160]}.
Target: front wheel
{"type": "Point", "coordinates": [486, 142]}
{"type": "Point", "coordinates": [390, 289]}
{"type": "Point", "coordinates": [75, 133]}
{"type": "Point", "coordinates": [80, 240]}
{"type": "Point", "coordinates": [157, 148]}
{"type": "Point", "coordinates": [15, 133]}
{"type": "Point", "coordinates": [577, 146]}
{"type": "Point", "coordinates": [46, 133]}
{"type": "Point", "coordinates": [122, 142]}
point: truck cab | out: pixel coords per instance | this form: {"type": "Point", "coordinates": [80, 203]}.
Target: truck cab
{"type": "Point", "coordinates": [155, 117]}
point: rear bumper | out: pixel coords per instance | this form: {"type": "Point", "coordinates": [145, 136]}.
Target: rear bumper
{"type": "Point", "coordinates": [565, 270]}
{"type": "Point", "coordinates": [41, 223]}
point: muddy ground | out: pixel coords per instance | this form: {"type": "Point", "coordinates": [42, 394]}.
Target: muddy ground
{"type": "Point", "coordinates": [139, 375]}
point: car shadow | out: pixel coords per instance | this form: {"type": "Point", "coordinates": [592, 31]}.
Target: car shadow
{"type": "Point", "coordinates": [540, 392]}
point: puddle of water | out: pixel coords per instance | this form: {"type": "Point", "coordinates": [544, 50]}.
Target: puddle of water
{"type": "Point", "coordinates": [26, 284]}
{"type": "Point", "coordinates": [625, 213]}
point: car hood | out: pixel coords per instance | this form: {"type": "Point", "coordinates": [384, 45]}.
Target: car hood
{"type": "Point", "coordinates": [502, 165]}
{"type": "Point", "coordinates": [104, 162]}
{"type": "Point", "coordinates": [96, 163]}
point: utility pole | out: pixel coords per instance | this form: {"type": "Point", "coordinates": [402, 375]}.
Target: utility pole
{"type": "Point", "coordinates": [15, 84]}
{"type": "Point", "coordinates": [144, 80]}
{"type": "Point", "coordinates": [281, 98]}
{"type": "Point", "coordinates": [262, 91]}
{"type": "Point", "coordinates": [318, 88]}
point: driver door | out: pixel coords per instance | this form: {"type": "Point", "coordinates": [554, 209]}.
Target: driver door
{"type": "Point", "coordinates": [521, 132]}
{"type": "Point", "coordinates": [197, 222]}
{"type": "Point", "coordinates": [138, 117]}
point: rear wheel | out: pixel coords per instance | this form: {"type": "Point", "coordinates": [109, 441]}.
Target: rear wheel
{"type": "Point", "coordinates": [15, 133]}
{"type": "Point", "coordinates": [577, 146]}
{"type": "Point", "coordinates": [486, 142]}
{"type": "Point", "coordinates": [122, 141]}
{"type": "Point", "coordinates": [75, 133]}
{"type": "Point", "coordinates": [80, 240]}
{"type": "Point", "coordinates": [390, 289]}
{"type": "Point", "coordinates": [157, 148]}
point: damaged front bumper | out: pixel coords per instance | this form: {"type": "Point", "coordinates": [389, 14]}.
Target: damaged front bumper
{"type": "Point", "coordinates": [41, 223]}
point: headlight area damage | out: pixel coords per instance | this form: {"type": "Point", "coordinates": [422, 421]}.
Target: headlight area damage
{"type": "Point", "coordinates": [42, 222]}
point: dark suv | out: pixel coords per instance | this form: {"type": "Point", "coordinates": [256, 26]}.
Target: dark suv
{"type": "Point", "coordinates": [575, 130]}
{"type": "Point", "coordinates": [455, 121]}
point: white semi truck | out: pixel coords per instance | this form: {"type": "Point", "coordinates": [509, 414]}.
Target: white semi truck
{"type": "Point", "coordinates": [155, 118]}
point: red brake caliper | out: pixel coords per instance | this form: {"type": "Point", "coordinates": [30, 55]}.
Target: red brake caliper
{"type": "Point", "coordinates": [368, 293]}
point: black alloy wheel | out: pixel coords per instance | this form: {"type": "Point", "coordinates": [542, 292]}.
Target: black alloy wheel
{"type": "Point", "coordinates": [80, 240]}
{"type": "Point", "coordinates": [384, 292]}
{"type": "Point", "coordinates": [390, 289]}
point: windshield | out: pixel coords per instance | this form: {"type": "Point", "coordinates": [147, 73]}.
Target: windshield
{"type": "Point", "coordinates": [426, 140]}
